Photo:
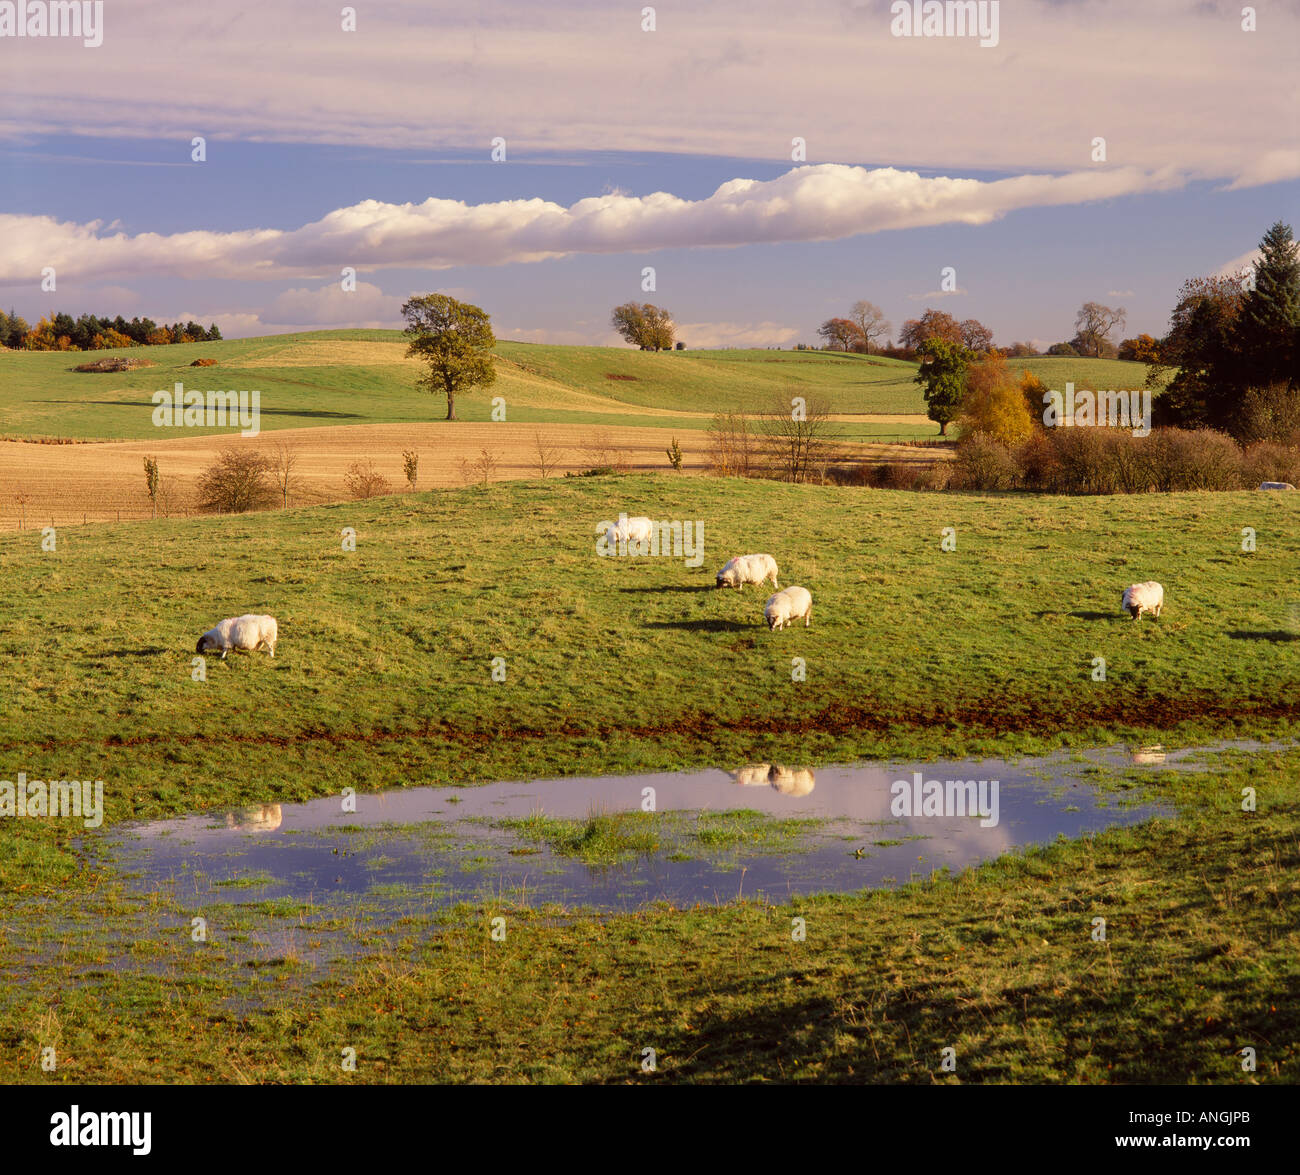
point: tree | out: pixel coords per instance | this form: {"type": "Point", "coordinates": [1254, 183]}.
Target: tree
{"type": "Point", "coordinates": [644, 325]}
{"type": "Point", "coordinates": [943, 370]}
{"type": "Point", "coordinates": [871, 322]}
{"type": "Point", "coordinates": [994, 404]}
{"type": "Point", "coordinates": [933, 324]}
{"type": "Point", "coordinates": [842, 334]}
{"type": "Point", "coordinates": [1094, 323]}
{"type": "Point", "coordinates": [1143, 349]}
{"type": "Point", "coordinates": [975, 336]}
{"type": "Point", "coordinates": [281, 464]}
{"type": "Point", "coordinates": [235, 482]}
{"type": "Point", "coordinates": [455, 339]}
{"type": "Point", "coordinates": [1200, 345]}
{"type": "Point", "coordinates": [1062, 349]}
{"type": "Point", "coordinates": [1019, 351]}
{"type": "Point", "coordinates": [1264, 333]}
{"type": "Point", "coordinates": [411, 467]}
{"type": "Point", "coordinates": [151, 483]}
{"type": "Point", "coordinates": [795, 431]}
{"type": "Point", "coordinates": [363, 480]}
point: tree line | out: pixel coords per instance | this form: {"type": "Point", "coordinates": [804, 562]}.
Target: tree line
{"type": "Point", "coordinates": [62, 332]}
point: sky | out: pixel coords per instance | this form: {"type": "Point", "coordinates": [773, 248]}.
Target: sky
{"type": "Point", "coordinates": [771, 163]}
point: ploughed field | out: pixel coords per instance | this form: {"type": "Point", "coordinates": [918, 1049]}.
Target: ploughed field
{"type": "Point", "coordinates": [337, 397]}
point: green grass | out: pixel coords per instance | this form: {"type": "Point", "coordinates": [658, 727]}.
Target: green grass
{"type": "Point", "coordinates": [383, 675]}
{"type": "Point", "coordinates": [313, 379]}
{"type": "Point", "coordinates": [1200, 958]}
{"type": "Point", "coordinates": [610, 838]}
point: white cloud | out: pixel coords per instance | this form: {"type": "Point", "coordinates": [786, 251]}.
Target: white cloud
{"type": "Point", "coordinates": [929, 294]}
{"type": "Point", "coordinates": [811, 203]}
{"type": "Point", "coordinates": [331, 305]}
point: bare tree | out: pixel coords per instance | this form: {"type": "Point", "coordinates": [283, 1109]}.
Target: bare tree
{"type": "Point", "coordinates": [546, 457]}
{"type": "Point", "coordinates": [22, 498]}
{"type": "Point", "coordinates": [281, 464]}
{"type": "Point", "coordinates": [235, 482]}
{"type": "Point", "coordinates": [480, 469]}
{"type": "Point", "coordinates": [363, 480]}
{"type": "Point", "coordinates": [731, 445]}
{"type": "Point", "coordinates": [796, 435]}
{"type": "Point", "coordinates": [603, 453]}
{"type": "Point", "coordinates": [871, 321]}
{"type": "Point", "coordinates": [1094, 324]}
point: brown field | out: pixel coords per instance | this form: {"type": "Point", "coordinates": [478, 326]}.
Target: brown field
{"type": "Point", "coordinates": [67, 484]}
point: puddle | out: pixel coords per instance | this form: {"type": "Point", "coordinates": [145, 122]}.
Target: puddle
{"type": "Point", "coordinates": [433, 847]}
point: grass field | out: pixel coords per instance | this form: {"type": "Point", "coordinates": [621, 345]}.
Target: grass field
{"type": "Point", "coordinates": [383, 677]}
{"type": "Point", "coordinates": [361, 377]}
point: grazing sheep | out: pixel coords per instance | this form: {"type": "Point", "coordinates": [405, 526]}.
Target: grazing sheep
{"type": "Point", "coordinates": [1143, 597]}
{"type": "Point", "coordinates": [240, 632]}
{"type": "Point", "coordinates": [1276, 485]}
{"type": "Point", "coordinates": [743, 569]}
{"type": "Point", "coordinates": [792, 603]}
{"type": "Point", "coordinates": [631, 530]}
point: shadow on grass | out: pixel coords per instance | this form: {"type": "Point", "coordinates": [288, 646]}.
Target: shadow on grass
{"type": "Point", "coordinates": [677, 587]}
{"type": "Point", "coordinates": [318, 413]}
{"type": "Point", "coordinates": [703, 625]}
{"type": "Point", "coordinates": [1276, 635]}
{"type": "Point", "coordinates": [1112, 616]}
{"type": "Point", "coordinates": [152, 651]}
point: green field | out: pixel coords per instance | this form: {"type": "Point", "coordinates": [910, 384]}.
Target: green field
{"type": "Point", "coordinates": [360, 377]}
{"type": "Point", "coordinates": [383, 677]}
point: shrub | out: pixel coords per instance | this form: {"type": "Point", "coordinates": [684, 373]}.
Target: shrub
{"type": "Point", "coordinates": [993, 404]}
{"type": "Point", "coordinates": [235, 482]}
{"type": "Point", "coordinates": [1269, 413]}
{"type": "Point", "coordinates": [204, 363]}
{"type": "Point", "coordinates": [1267, 461]}
{"type": "Point", "coordinates": [984, 464]}
{"type": "Point", "coordinates": [363, 480]}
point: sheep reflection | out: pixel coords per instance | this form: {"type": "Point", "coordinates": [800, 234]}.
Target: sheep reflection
{"type": "Point", "coordinates": [255, 818]}
{"type": "Point", "coordinates": [789, 781]}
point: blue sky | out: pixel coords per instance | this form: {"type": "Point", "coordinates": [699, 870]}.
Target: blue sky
{"type": "Point", "coordinates": [346, 170]}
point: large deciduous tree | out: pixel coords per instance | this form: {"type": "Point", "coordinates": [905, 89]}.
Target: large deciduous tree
{"type": "Point", "coordinates": [871, 322]}
{"type": "Point", "coordinates": [842, 334]}
{"type": "Point", "coordinates": [931, 326]}
{"type": "Point", "coordinates": [455, 339]}
{"type": "Point", "coordinates": [1094, 324]}
{"type": "Point", "coordinates": [943, 371]}
{"type": "Point", "coordinates": [645, 325]}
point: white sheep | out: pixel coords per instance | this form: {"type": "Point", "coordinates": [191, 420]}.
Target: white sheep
{"type": "Point", "coordinates": [630, 530]}
{"type": "Point", "coordinates": [743, 569]}
{"type": "Point", "coordinates": [1276, 485]}
{"type": "Point", "coordinates": [1143, 597]}
{"type": "Point", "coordinates": [755, 775]}
{"type": "Point", "coordinates": [240, 632]}
{"type": "Point", "coordinates": [792, 603]}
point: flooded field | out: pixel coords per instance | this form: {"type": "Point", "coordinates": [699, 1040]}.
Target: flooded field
{"type": "Point", "coordinates": [617, 843]}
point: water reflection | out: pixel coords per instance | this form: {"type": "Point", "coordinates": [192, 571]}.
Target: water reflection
{"type": "Point", "coordinates": [789, 781]}
{"type": "Point", "coordinates": [256, 818]}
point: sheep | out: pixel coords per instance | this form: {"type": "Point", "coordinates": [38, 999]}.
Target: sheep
{"type": "Point", "coordinates": [241, 632]}
{"type": "Point", "coordinates": [743, 569]}
{"type": "Point", "coordinates": [256, 818]}
{"type": "Point", "coordinates": [631, 530]}
{"type": "Point", "coordinates": [792, 603]}
{"type": "Point", "coordinates": [1143, 597]}
{"type": "Point", "coordinates": [1276, 485]}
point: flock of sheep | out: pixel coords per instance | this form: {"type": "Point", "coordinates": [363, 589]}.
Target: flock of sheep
{"type": "Point", "coordinates": [786, 605]}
